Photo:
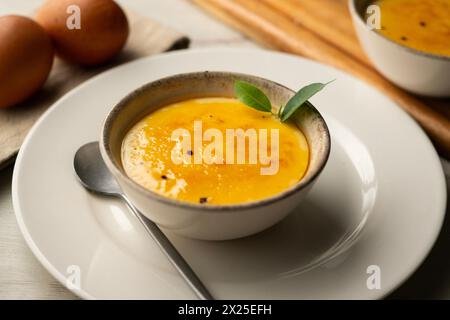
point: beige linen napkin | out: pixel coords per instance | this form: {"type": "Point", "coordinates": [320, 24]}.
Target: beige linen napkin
{"type": "Point", "coordinates": [146, 38]}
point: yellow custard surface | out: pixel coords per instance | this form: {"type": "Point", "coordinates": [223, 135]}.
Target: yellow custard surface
{"type": "Point", "coordinates": [147, 154]}
{"type": "Point", "coordinates": [419, 24]}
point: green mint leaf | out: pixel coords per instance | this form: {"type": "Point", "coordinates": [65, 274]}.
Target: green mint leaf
{"type": "Point", "coordinates": [300, 98]}
{"type": "Point", "coordinates": [252, 96]}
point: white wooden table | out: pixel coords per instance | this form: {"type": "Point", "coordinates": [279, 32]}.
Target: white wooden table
{"type": "Point", "coordinates": [21, 275]}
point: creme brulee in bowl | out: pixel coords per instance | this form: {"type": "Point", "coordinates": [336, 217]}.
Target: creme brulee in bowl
{"type": "Point", "coordinates": [147, 153]}
{"type": "Point", "coordinates": [181, 150]}
{"type": "Point", "coordinates": [408, 41]}
{"type": "Point", "coordinates": [423, 25]}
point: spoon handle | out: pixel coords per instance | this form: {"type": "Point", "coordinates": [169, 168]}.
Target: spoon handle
{"type": "Point", "coordinates": [172, 254]}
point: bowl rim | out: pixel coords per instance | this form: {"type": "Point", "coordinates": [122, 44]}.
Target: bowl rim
{"type": "Point", "coordinates": [359, 19]}
{"type": "Point", "coordinates": [114, 168]}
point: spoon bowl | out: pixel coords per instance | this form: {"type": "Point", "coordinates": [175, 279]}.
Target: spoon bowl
{"type": "Point", "coordinates": [92, 171]}
{"type": "Point", "coordinates": [95, 177]}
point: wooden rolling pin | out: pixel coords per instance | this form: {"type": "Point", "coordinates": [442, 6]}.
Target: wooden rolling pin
{"type": "Point", "coordinates": [274, 29]}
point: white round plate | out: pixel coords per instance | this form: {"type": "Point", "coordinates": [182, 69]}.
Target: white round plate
{"type": "Point", "coordinates": [375, 211]}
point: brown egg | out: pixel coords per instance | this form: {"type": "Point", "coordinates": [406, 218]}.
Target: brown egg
{"type": "Point", "coordinates": [26, 57]}
{"type": "Point", "coordinates": [85, 32]}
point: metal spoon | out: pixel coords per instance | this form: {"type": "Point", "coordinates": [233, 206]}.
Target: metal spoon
{"type": "Point", "coordinates": [95, 176]}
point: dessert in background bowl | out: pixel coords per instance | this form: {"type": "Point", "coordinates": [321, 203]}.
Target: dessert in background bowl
{"type": "Point", "coordinates": [412, 46]}
{"type": "Point", "coordinates": [211, 201]}
{"type": "Point", "coordinates": [423, 25]}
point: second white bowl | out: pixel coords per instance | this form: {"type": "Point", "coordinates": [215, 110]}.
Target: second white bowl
{"type": "Point", "coordinates": [413, 70]}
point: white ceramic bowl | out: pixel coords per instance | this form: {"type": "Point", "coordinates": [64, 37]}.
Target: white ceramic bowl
{"type": "Point", "coordinates": [413, 70]}
{"type": "Point", "coordinates": [209, 222]}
